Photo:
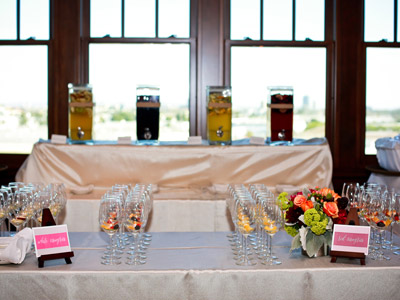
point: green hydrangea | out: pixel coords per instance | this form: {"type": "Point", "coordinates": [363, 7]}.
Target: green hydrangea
{"type": "Point", "coordinates": [311, 216]}
{"type": "Point", "coordinates": [291, 230]}
{"type": "Point", "coordinates": [283, 201]}
{"type": "Point", "coordinates": [316, 221]}
{"type": "Point", "coordinates": [320, 227]}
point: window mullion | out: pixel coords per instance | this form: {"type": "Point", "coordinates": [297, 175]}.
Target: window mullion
{"type": "Point", "coordinates": [261, 20]}
{"type": "Point", "coordinates": [157, 15]}
{"type": "Point", "coordinates": [18, 19]}
{"type": "Point", "coordinates": [293, 20]}
{"type": "Point", "coordinates": [122, 18]}
{"type": "Point", "coordinates": [395, 20]}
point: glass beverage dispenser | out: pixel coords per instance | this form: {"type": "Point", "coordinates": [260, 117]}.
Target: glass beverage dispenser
{"type": "Point", "coordinates": [219, 115]}
{"type": "Point", "coordinates": [80, 116]}
{"type": "Point", "coordinates": [147, 112]}
{"type": "Point", "coordinates": [280, 114]}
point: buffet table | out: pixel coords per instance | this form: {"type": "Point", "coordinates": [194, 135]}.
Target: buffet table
{"type": "Point", "coordinates": [179, 170]}
{"type": "Point", "coordinates": [197, 265]}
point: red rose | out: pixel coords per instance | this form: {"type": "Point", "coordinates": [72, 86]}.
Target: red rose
{"type": "Point", "coordinates": [342, 217]}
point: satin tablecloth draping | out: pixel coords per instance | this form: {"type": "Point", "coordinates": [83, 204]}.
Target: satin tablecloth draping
{"type": "Point", "coordinates": [197, 266]}
{"type": "Point", "coordinates": [179, 171]}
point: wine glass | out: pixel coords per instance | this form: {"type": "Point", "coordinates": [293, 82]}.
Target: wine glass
{"type": "Point", "coordinates": [396, 214]}
{"type": "Point", "coordinates": [8, 195]}
{"type": "Point", "coordinates": [18, 212]}
{"type": "Point", "coordinates": [3, 207]}
{"type": "Point", "coordinates": [389, 196]}
{"type": "Point", "coordinates": [133, 221]}
{"type": "Point", "coordinates": [245, 220]}
{"type": "Point", "coordinates": [376, 215]}
{"type": "Point", "coordinates": [58, 199]}
{"type": "Point", "coordinates": [110, 221]}
{"type": "Point", "coordinates": [272, 221]}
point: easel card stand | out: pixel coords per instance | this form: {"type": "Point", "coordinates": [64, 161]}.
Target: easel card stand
{"type": "Point", "coordinates": [352, 219]}
{"type": "Point", "coordinates": [48, 220]}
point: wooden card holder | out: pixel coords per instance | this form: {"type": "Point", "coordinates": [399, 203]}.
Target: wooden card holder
{"type": "Point", "coordinates": [48, 220]}
{"type": "Point", "coordinates": [352, 219]}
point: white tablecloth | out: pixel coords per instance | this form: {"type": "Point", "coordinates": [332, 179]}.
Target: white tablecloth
{"type": "Point", "coordinates": [197, 266]}
{"type": "Point", "coordinates": [179, 171]}
{"type": "Point", "coordinates": [81, 215]}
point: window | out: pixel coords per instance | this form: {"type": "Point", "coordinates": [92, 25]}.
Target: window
{"type": "Point", "coordinates": [24, 35]}
{"type": "Point", "coordinates": [140, 43]}
{"type": "Point", "coordinates": [382, 71]}
{"type": "Point", "coordinates": [263, 55]}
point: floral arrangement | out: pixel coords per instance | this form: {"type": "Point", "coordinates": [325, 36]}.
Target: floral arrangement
{"type": "Point", "coordinates": [310, 215]}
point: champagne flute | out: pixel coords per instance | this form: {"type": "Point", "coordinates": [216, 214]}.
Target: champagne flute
{"type": "Point", "coordinates": [110, 220]}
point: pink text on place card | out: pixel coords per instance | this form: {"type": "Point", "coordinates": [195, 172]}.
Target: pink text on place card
{"type": "Point", "coordinates": [54, 240]}
{"type": "Point", "coordinates": [350, 238]}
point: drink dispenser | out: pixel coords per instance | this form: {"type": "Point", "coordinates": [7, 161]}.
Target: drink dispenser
{"type": "Point", "coordinates": [280, 113]}
{"type": "Point", "coordinates": [80, 116]}
{"type": "Point", "coordinates": [219, 115]}
{"type": "Point", "coordinates": [147, 112]}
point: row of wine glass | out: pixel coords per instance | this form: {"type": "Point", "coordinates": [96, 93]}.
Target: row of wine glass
{"type": "Point", "coordinates": [257, 218]}
{"type": "Point", "coordinates": [22, 203]}
{"type": "Point", "coordinates": [379, 207]}
{"type": "Point", "coordinates": [123, 215]}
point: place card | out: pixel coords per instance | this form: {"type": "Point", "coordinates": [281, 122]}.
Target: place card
{"type": "Point", "coordinates": [256, 140]}
{"type": "Point", "coordinates": [58, 139]}
{"type": "Point", "coordinates": [350, 238]}
{"type": "Point", "coordinates": [51, 240]}
{"type": "Point", "coordinates": [195, 140]}
{"type": "Point", "coordinates": [124, 140]}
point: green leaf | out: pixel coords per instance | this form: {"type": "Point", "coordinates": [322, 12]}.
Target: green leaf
{"type": "Point", "coordinates": [313, 243]}
{"type": "Point", "coordinates": [295, 243]}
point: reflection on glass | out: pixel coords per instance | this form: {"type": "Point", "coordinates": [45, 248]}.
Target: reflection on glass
{"type": "Point", "coordinates": [23, 97]}
{"type": "Point", "coordinates": [140, 18]}
{"type": "Point", "coordinates": [35, 19]}
{"type": "Point", "coordinates": [378, 20]}
{"type": "Point", "coordinates": [245, 19]}
{"type": "Point", "coordinates": [174, 18]}
{"type": "Point", "coordinates": [310, 20]}
{"type": "Point", "coordinates": [8, 20]}
{"type": "Point", "coordinates": [277, 20]}
{"type": "Point", "coordinates": [383, 107]}
{"type": "Point", "coordinates": [255, 68]}
{"type": "Point", "coordinates": [105, 18]}
{"type": "Point", "coordinates": [165, 65]}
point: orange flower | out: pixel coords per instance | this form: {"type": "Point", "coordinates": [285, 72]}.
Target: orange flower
{"type": "Point", "coordinates": [299, 200]}
{"type": "Point", "coordinates": [307, 205]}
{"type": "Point", "coordinates": [331, 209]}
{"type": "Point", "coordinates": [326, 191]}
